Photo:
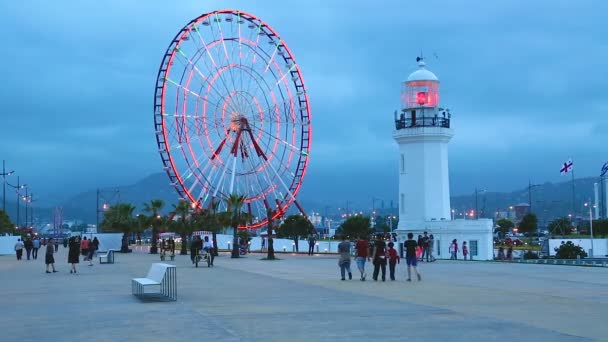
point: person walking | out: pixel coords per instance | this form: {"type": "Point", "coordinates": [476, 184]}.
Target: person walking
{"type": "Point", "coordinates": [393, 259]}
{"type": "Point", "coordinates": [454, 250]}
{"type": "Point", "coordinates": [49, 260]}
{"type": "Point", "coordinates": [379, 258]}
{"type": "Point", "coordinates": [73, 253]}
{"type": "Point", "coordinates": [362, 248]}
{"type": "Point", "coordinates": [344, 260]}
{"type": "Point", "coordinates": [410, 257]}
{"type": "Point", "coordinates": [510, 253]}
{"type": "Point", "coordinates": [56, 245]}
{"type": "Point", "coordinates": [431, 247]}
{"type": "Point", "coordinates": [19, 249]}
{"type": "Point", "coordinates": [425, 247]}
{"type": "Point", "coordinates": [465, 250]}
{"type": "Point", "coordinates": [93, 245]}
{"type": "Point", "coordinates": [84, 247]}
{"type": "Point", "coordinates": [28, 247]}
{"type": "Point", "coordinates": [36, 246]}
{"type": "Point", "coordinates": [311, 244]}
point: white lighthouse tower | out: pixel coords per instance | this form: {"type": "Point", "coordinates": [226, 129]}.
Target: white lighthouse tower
{"type": "Point", "coordinates": [423, 131]}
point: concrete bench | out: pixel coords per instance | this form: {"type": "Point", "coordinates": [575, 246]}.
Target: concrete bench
{"type": "Point", "coordinates": [107, 256]}
{"type": "Point", "coordinates": [162, 275]}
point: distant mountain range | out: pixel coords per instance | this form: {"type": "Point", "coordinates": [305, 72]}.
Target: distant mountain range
{"type": "Point", "coordinates": [549, 200]}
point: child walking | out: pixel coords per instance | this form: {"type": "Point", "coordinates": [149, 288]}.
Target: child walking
{"type": "Point", "coordinates": [393, 259]}
{"type": "Point", "coordinates": [465, 250]}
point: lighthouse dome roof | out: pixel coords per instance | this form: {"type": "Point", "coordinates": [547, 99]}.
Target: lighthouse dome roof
{"type": "Point", "coordinates": [422, 74]}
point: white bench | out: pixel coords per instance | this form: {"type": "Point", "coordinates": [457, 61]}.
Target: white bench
{"type": "Point", "coordinates": [108, 256]}
{"type": "Point", "coordinates": [162, 275]}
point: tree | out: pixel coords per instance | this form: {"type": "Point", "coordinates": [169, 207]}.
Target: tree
{"type": "Point", "coordinates": [235, 204]}
{"type": "Point", "coordinates": [294, 227]}
{"type": "Point", "coordinates": [154, 208]}
{"type": "Point", "coordinates": [569, 251]}
{"type": "Point", "coordinates": [6, 226]}
{"type": "Point", "coordinates": [119, 218]}
{"type": "Point", "coordinates": [528, 223]}
{"type": "Point", "coordinates": [504, 225]}
{"type": "Point", "coordinates": [560, 226]}
{"type": "Point", "coordinates": [184, 228]}
{"type": "Point", "coordinates": [355, 227]}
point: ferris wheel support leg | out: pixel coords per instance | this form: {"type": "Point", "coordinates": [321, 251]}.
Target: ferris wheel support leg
{"type": "Point", "coordinates": [299, 207]}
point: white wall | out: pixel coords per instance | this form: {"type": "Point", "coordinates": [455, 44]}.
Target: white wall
{"type": "Point", "coordinates": [462, 230]}
{"type": "Point", "coordinates": [600, 246]}
{"type": "Point", "coordinates": [107, 240]}
{"type": "Point", "coordinates": [7, 244]}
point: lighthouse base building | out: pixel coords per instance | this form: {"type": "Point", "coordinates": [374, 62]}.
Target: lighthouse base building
{"type": "Point", "coordinates": [423, 131]}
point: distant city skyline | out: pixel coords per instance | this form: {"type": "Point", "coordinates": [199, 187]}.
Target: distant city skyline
{"type": "Point", "coordinates": [526, 91]}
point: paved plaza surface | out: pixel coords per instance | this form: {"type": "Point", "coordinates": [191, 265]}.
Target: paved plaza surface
{"type": "Point", "coordinates": [302, 298]}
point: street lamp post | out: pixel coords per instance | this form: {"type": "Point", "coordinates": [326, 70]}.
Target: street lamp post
{"type": "Point", "coordinates": [4, 174]}
{"type": "Point", "coordinates": [17, 187]}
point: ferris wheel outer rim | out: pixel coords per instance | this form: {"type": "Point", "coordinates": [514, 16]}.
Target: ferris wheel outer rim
{"type": "Point", "coordinates": [164, 150]}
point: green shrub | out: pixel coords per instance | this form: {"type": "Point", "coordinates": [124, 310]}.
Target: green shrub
{"type": "Point", "coordinates": [569, 250]}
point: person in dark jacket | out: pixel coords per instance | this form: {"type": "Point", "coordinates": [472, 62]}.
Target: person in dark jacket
{"type": "Point", "coordinates": [29, 245]}
{"type": "Point", "coordinates": [49, 260]}
{"type": "Point", "coordinates": [73, 253]}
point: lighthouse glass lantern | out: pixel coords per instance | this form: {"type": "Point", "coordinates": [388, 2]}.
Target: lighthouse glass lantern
{"type": "Point", "coordinates": [420, 90]}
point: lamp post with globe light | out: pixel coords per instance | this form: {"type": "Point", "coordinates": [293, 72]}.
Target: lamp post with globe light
{"type": "Point", "coordinates": [590, 225]}
{"type": "Point", "coordinates": [17, 187]}
{"type": "Point", "coordinates": [4, 174]}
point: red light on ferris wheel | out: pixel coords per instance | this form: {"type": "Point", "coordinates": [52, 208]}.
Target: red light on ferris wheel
{"type": "Point", "coordinates": [421, 97]}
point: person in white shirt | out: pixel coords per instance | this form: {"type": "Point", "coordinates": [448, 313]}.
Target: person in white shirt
{"type": "Point", "coordinates": [19, 249]}
{"type": "Point", "coordinates": [208, 247]}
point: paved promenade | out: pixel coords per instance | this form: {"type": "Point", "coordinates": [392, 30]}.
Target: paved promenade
{"type": "Point", "coordinates": [301, 298]}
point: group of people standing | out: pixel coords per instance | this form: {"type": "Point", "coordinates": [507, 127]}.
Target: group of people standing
{"type": "Point", "coordinates": [380, 254]}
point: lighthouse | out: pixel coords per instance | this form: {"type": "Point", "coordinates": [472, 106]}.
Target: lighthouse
{"type": "Point", "coordinates": [423, 130]}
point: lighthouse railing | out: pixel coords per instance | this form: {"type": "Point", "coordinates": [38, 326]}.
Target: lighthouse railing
{"type": "Point", "coordinates": [425, 121]}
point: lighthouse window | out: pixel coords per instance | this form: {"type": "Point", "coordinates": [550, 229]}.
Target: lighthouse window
{"type": "Point", "coordinates": [402, 203]}
{"type": "Point", "coordinates": [402, 163]}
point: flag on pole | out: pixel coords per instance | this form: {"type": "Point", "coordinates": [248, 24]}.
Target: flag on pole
{"type": "Point", "coordinates": [566, 167]}
{"type": "Point", "coordinates": [604, 169]}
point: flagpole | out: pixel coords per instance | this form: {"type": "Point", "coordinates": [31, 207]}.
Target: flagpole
{"type": "Point", "coordinates": [573, 204]}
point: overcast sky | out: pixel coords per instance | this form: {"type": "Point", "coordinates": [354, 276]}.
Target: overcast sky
{"type": "Point", "coordinates": [526, 82]}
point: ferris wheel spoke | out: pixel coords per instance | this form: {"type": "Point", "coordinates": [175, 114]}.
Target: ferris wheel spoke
{"type": "Point", "coordinates": [284, 142]}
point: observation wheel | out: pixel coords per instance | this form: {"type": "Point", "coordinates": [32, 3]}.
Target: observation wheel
{"type": "Point", "coordinates": [232, 115]}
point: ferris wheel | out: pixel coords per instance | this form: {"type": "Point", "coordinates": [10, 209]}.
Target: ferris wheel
{"type": "Point", "coordinates": [232, 115]}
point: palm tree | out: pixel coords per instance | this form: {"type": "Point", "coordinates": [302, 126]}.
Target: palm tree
{"type": "Point", "coordinates": [185, 227]}
{"type": "Point", "coordinates": [235, 204]}
{"type": "Point", "coordinates": [119, 218]}
{"type": "Point", "coordinates": [154, 208]}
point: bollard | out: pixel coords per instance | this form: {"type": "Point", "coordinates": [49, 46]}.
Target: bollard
{"type": "Point", "coordinates": [317, 247]}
